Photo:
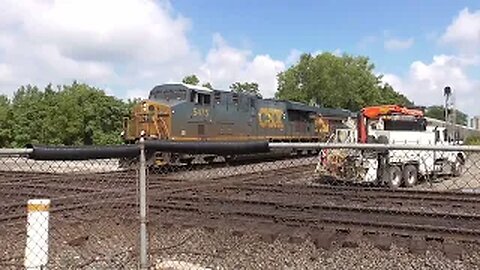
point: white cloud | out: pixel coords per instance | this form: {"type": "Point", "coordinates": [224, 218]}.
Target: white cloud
{"type": "Point", "coordinates": [126, 47]}
{"type": "Point", "coordinates": [395, 44]}
{"type": "Point", "coordinates": [98, 42]}
{"type": "Point", "coordinates": [464, 32]}
{"type": "Point", "coordinates": [293, 57]}
{"type": "Point", "coordinates": [425, 81]}
{"type": "Point", "coordinates": [225, 64]}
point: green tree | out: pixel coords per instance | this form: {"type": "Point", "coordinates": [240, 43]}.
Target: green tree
{"type": "Point", "coordinates": [191, 79]}
{"type": "Point", "coordinates": [89, 116]}
{"type": "Point", "coordinates": [69, 115]}
{"type": "Point", "coordinates": [5, 122]}
{"type": "Point", "coordinates": [438, 112]}
{"type": "Point", "coordinates": [472, 140]}
{"type": "Point", "coordinates": [207, 85]}
{"type": "Point", "coordinates": [28, 116]}
{"type": "Point", "coordinates": [336, 81]}
{"type": "Point", "coordinates": [246, 87]}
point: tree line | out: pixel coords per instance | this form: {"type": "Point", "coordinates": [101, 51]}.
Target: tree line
{"type": "Point", "coordinates": [79, 114]}
{"type": "Point", "coordinates": [238, 87]}
{"type": "Point", "coordinates": [76, 114]}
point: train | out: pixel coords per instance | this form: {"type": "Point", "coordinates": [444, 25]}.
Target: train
{"type": "Point", "coordinates": [458, 132]}
{"type": "Point", "coordinates": [181, 112]}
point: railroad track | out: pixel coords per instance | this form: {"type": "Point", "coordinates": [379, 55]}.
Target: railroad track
{"type": "Point", "coordinates": [255, 201]}
{"type": "Point", "coordinates": [300, 209]}
{"type": "Point", "coordinates": [452, 201]}
{"type": "Point", "coordinates": [84, 191]}
{"type": "Point", "coordinates": [308, 213]}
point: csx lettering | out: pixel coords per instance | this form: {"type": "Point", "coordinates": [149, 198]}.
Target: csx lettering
{"type": "Point", "coordinates": [270, 118]}
{"type": "Point", "coordinates": [200, 112]}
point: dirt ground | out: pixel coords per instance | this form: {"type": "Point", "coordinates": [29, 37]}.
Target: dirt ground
{"type": "Point", "coordinates": [112, 245]}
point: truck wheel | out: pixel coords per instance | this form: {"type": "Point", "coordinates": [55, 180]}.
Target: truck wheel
{"type": "Point", "coordinates": [395, 177]}
{"type": "Point", "coordinates": [410, 174]}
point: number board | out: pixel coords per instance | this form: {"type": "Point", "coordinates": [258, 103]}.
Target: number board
{"type": "Point", "coordinates": [200, 112]}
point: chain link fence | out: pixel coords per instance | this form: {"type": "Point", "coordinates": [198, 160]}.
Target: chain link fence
{"type": "Point", "coordinates": [80, 214]}
{"type": "Point", "coordinates": [295, 206]}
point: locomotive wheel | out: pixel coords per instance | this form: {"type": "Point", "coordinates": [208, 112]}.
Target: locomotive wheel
{"type": "Point", "coordinates": [394, 177]}
{"type": "Point", "coordinates": [410, 174]}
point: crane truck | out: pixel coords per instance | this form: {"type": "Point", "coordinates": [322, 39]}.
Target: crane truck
{"type": "Point", "coordinates": [391, 124]}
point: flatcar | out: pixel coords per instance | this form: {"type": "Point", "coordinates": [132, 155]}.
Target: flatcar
{"type": "Point", "coordinates": [187, 113]}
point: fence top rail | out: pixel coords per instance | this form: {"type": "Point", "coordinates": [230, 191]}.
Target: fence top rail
{"type": "Point", "coordinates": [367, 146]}
{"type": "Point", "coordinates": [14, 151]}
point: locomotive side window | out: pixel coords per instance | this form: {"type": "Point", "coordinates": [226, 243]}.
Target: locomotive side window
{"type": "Point", "coordinates": [206, 99]}
{"type": "Point", "coordinates": [235, 98]}
{"type": "Point", "coordinates": [216, 97]}
{"type": "Point", "coordinates": [193, 96]}
{"type": "Point", "coordinates": [198, 98]}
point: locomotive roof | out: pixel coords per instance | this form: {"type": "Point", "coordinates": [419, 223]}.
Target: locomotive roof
{"type": "Point", "coordinates": [327, 112]}
{"type": "Point", "coordinates": [335, 112]}
{"type": "Point", "coordinates": [290, 105]}
{"type": "Point", "coordinates": [184, 85]}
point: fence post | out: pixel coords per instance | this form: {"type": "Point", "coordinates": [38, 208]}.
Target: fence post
{"type": "Point", "coordinates": [36, 249]}
{"type": "Point", "coordinates": [143, 206]}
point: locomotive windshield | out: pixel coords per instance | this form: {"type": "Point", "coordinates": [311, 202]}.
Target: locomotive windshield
{"type": "Point", "coordinates": [169, 94]}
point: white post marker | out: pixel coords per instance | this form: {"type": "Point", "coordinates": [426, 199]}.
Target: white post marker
{"type": "Point", "coordinates": [36, 250]}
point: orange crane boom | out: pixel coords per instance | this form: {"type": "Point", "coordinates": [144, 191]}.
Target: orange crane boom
{"type": "Point", "coordinates": [376, 111]}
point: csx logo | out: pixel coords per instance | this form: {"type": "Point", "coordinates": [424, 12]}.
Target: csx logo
{"type": "Point", "coordinates": [270, 118]}
{"type": "Point", "coordinates": [199, 112]}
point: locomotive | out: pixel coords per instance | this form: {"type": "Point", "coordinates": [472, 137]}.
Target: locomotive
{"type": "Point", "coordinates": [187, 113]}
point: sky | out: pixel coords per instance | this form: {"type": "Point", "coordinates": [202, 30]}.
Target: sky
{"type": "Point", "coordinates": [128, 46]}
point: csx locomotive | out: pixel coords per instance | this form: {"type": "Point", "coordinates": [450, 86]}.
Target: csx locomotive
{"type": "Point", "coordinates": [185, 113]}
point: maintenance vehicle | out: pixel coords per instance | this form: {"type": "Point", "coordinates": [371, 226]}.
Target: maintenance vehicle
{"type": "Point", "coordinates": [393, 125]}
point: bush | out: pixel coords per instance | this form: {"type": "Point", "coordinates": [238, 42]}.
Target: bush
{"type": "Point", "coordinates": [473, 140]}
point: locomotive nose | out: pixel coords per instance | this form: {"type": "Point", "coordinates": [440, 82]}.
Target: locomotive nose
{"type": "Point", "coordinates": [150, 120]}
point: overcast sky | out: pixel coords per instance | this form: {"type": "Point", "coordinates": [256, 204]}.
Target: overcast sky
{"type": "Point", "coordinates": [129, 46]}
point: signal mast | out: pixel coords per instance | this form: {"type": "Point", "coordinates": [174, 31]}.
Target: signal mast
{"type": "Point", "coordinates": [450, 113]}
